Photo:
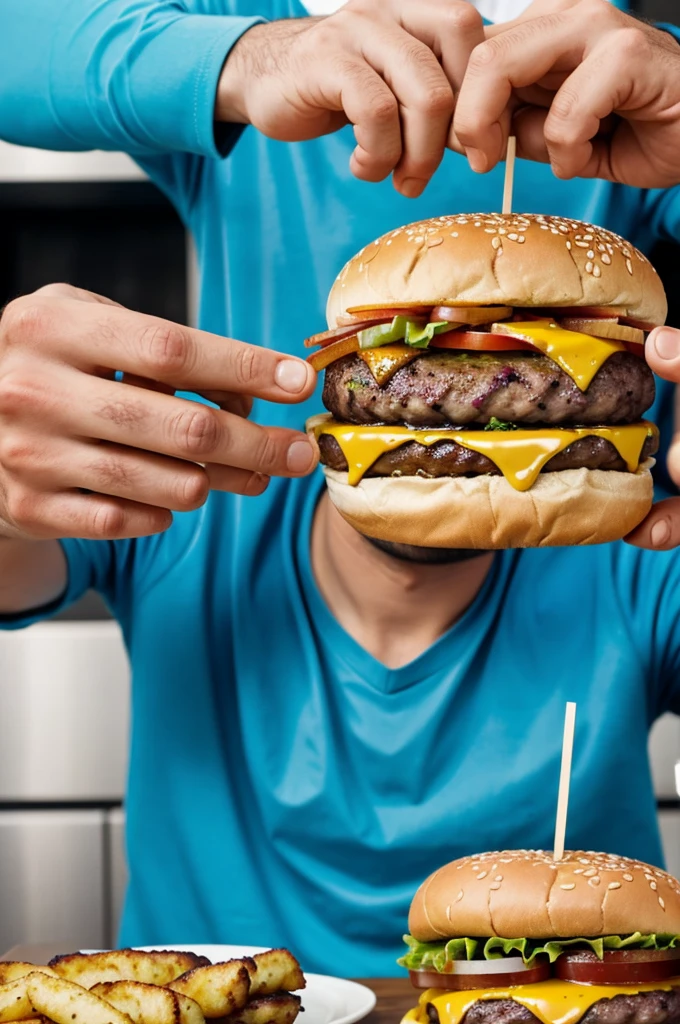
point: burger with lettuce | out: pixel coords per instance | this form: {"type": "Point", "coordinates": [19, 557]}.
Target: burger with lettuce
{"type": "Point", "coordinates": [486, 385]}
{"type": "Point", "coordinates": [516, 937]}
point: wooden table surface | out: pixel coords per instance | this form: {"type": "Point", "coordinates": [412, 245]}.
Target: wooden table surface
{"type": "Point", "coordinates": [395, 995]}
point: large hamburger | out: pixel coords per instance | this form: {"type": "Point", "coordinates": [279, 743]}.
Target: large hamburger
{"type": "Point", "coordinates": [486, 384]}
{"type": "Point", "coordinates": [515, 937]}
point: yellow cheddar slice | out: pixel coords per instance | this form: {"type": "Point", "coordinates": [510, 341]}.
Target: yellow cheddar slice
{"type": "Point", "coordinates": [553, 1002]}
{"type": "Point", "coordinates": [520, 455]}
{"type": "Point", "coordinates": [384, 362]}
{"type": "Point", "coordinates": [579, 355]}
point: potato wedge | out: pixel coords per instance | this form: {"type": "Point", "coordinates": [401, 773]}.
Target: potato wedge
{"type": "Point", "coordinates": [11, 970]}
{"type": "Point", "coordinates": [219, 990]}
{"type": "Point", "coordinates": [67, 1003]}
{"type": "Point", "coordinates": [157, 968]}
{"type": "Point", "coordinates": [277, 970]}
{"type": "Point", "coordinates": [15, 1003]}
{"type": "Point", "coordinates": [149, 1004]}
{"type": "Point", "coordinates": [277, 1008]}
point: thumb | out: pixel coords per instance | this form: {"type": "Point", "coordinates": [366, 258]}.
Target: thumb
{"type": "Point", "coordinates": [660, 531]}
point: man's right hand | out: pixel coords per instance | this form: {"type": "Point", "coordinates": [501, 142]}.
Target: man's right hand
{"type": "Point", "coordinates": [389, 67]}
{"type": "Point", "coordinates": [85, 455]}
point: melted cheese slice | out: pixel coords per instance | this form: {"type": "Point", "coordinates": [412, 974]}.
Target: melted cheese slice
{"type": "Point", "coordinates": [553, 1002]}
{"type": "Point", "coordinates": [579, 355]}
{"type": "Point", "coordinates": [520, 455]}
{"type": "Point", "coordinates": [384, 362]}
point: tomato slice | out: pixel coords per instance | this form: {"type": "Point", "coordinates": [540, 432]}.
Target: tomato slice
{"type": "Point", "coordinates": [471, 974]}
{"type": "Point", "coordinates": [619, 967]}
{"type": "Point", "coordinates": [325, 356]}
{"type": "Point", "coordinates": [481, 341]}
{"type": "Point", "coordinates": [387, 312]}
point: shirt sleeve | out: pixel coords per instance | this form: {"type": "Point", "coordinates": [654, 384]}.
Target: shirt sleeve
{"type": "Point", "coordinates": [138, 76]}
{"type": "Point", "coordinates": [653, 604]}
{"type": "Point", "coordinates": [90, 566]}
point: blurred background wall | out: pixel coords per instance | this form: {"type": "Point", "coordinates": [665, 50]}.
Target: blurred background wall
{"type": "Point", "coordinates": [95, 221]}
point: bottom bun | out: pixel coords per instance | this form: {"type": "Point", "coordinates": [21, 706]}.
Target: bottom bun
{"type": "Point", "coordinates": [575, 506]}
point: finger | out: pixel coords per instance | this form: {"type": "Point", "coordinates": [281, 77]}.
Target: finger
{"type": "Point", "coordinates": [69, 291]}
{"type": "Point", "coordinates": [93, 336]}
{"type": "Point", "coordinates": [660, 531]}
{"type": "Point", "coordinates": [149, 385]}
{"type": "Point", "coordinates": [373, 110]}
{"type": "Point", "coordinates": [86, 516]}
{"type": "Point", "coordinates": [163, 424]}
{"type": "Point", "coordinates": [236, 481]}
{"type": "Point", "coordinates": [106, 469]}
{"type": "Point", "coordinates": [515, 59]}
{"type": "Point", "coordinates": [240, 405]}
{"type": "Point", "coordinates": [425, 99]}
{"type": "Point", "coordinates": [595, 89]}
{"type": "Point", "coordinates": [662, 352]}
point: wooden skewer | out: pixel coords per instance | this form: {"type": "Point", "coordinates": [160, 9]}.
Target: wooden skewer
{"type": "Point", "coordinates": [509, 174]}
{"type": "Point", "coordinates": [565, 775]}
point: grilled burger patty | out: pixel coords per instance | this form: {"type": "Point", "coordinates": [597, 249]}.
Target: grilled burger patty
{"type": "Point", "coordinates": [644, 1008]}
{"type": "Point", "coordinates": [446, 458]}
{"type": "Point", "coordinates": [448, 387]}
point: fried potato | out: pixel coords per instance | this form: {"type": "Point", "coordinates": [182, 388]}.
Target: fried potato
{"type": "Point", "coordinates": [149, 1004]}
{"type": "Point", "coordinates": [219, 990]}
{"type": "Point", "coordinates": [67, 1003]}
{"type": "Point", "coordinates": [157, 968]}
{"type": "Point", "coordinates": [15, 1003]}
{"type": "Point", "coordinates": [10, 970]}
{"type": "Point", "coordinates": [277, 1008]}
{"type": "Point", "coordinates": [277, 970]}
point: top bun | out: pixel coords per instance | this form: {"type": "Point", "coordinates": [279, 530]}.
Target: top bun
{"type": "Point", "coordinates": [526, 894]}
{"type": "Point", "coordinates": [501, 259]}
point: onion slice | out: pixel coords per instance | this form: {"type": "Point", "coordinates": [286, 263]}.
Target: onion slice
{"type": "Point", "coordinates": [612, 330]}
{"type": "Point", "coordinates": [471, 314]}
{"type": "Point", "coordinates": [477, 974]}
{"type": "Point", "coordinates": [337, 333]}
{"type": "Point", "coordinates": [327, 355]}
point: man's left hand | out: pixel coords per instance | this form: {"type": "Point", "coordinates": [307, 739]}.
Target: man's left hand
{"type": "Point", "coordinates": [582, 85]}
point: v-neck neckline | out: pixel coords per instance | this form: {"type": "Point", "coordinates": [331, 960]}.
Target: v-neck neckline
{"type": "Point", "coordinates": [334, 637]}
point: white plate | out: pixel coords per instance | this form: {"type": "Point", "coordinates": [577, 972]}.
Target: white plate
{"type": "Point", "coordinates": [326, 1000]}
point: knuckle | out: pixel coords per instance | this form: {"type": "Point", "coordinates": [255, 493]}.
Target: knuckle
{"type": "Point", "coordinates": [484, 56]}
{"type": "Point", "coordinates": [23, 508]}
{"type": "Point", "coordinates": [632, 41]}
{"type": "Point", "coordinates": [108, 520]}
{"type": "Point", "coordinates": [461, 17]}
{"type": "Point", "coordinates": [25, 320]}
{"type": "Point", "coordinates": [167, 349]}
{"type": "Point", "coordinates": [267, 454]}
{"type": "Point", "coordinates": [18, 392]}
{"type": "Point", "coordinates": [197, 433]}
{"type": "Point", "coordinates": [439, 101]}
{"type": "Point", "coordinates": [17, 452]}
{"type": "Point", "coordinates": [193, 492]}
{"type": "Point", "coordinates": [384, 109]}
{"type": "Point", "coordinates": [249, 365]}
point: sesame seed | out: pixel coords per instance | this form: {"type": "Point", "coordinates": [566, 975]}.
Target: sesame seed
{"type": "Point", "coordinates": [420, 238]}
{"type": "Point", "coordinates": [513, 237]}
{"type": "Point", "coordinates": [571, 885]}
{"type": "Point", "coordinates": [448, 913]}
{"type": "Point", "coordinates": [521, 239]}
{"type": "Point", "coordinates": [388, 242]}
{"type": "Point", "coordinates": [496, 242]}
{"type": "Point", "coordinates": [628, 878]}
{"type": "Point", "coordinates": [431, 242]}
{"type": "Point", "coordinates": [498, 878]}
{"type": "Point", "coordinates": [629, 267]}
{"type": "Point", "coordinates": [569, 245]}
{"type": "Point", "coordinates": [597, 271]}
{"type": "Point", "coordinates": [590, 267]}
{"type": "Point", "coordinates": [652, 885]}
{"type": "Point", "coordinates": [495, 885]}
{"type": "Point", "coordinates": [594, 880]}
{"type": "Point", "coordinates": [590, 872]}
{"type": "Point", "coordinates": [606, 258]}
{"type": "Point", "coordinates": [578, 871]}
{"type": "Point", "coordinates": [482, 874]}
{"type": "Point", "coordinates": [581, 245]}
{"type": "Point", "coordinates": [614, 885]}
{"type": "Point", "coordinates": [459, 896]}
{"type": "Point", "coordinates": [662, 904]}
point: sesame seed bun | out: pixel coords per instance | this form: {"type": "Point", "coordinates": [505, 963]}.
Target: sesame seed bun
{"type": "Point", "coordinates": [501, 259]}
{"type": "Point", "coordinates": [574, 506]}
{"type": "Point", "coordinates": [525, 893]}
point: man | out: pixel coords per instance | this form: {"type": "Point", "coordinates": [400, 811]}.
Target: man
{"type": "Point", "coordinates": [316, 723]}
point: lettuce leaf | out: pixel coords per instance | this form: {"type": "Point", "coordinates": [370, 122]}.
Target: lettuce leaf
{"type": "Point", "coordinates": [436, 955]}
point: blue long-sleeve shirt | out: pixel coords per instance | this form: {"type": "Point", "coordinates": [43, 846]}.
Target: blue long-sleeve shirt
{"type": "Point", "coordinates": [285, 787]}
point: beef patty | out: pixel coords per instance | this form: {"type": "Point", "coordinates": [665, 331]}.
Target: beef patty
{"type": "Point", "coordinates": [644, 1008]}
{"type": "Point", "coordinates": [446, 387]}
{"type": "Point", "coordinates": [446, 458]}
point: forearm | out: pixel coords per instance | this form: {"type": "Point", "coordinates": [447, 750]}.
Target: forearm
{"type": "Point", "coordinates": [113, 74]}
{"type": "Point", "coordinates": [32, 574]}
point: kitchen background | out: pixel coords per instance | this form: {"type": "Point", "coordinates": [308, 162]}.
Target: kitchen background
{"type": "Point", "coordinates": [94, 220]}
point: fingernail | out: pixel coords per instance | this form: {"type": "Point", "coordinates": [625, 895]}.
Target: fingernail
{"type": "Point", "coordinates": [477, 160]}
{"type": "Point", "coordinates": [666, 344]}
{"type": "Point", "coordinates": [412, 187]}
{"type": "Point", "coordinates": [301, 457]}
{"type": "Point", "coordinates": [291, 375]}
{"type": "Point", "coordinates": [660, 533]}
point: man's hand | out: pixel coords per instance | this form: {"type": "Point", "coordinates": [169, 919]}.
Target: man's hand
{"type": "Point", "coordinates": [84, 455]}
{"type": "Point", "coordinates": [584, 86]}
{"type": "Point", "coordinates": [391, 68]}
